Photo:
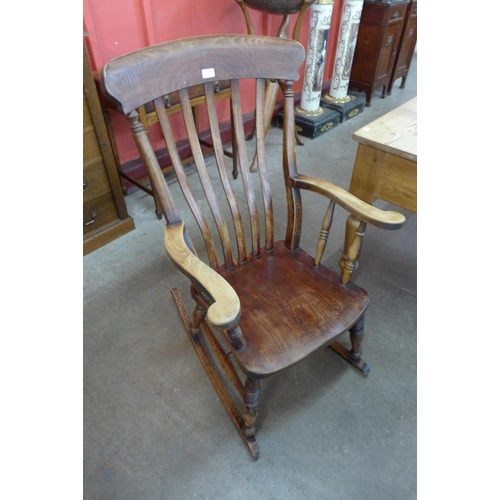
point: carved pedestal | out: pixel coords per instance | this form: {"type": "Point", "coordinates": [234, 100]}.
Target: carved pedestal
{"type": "Point", "coordinates": [337, 98]}
{"type": "Point", "coordinates": [311, 120]}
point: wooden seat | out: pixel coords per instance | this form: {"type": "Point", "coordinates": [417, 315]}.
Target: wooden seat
{"type": "Point", "coordinates": [300, 322]}
{"type": "Point", "coordinates": [260, 305]}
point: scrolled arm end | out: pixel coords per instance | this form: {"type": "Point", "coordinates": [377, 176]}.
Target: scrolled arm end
{"type": "Point", "coordinates": [225, 312]}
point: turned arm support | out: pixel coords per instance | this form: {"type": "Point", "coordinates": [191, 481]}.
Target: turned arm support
{"type": "Point", "coordinates": [385, 219]}
{"type": "Point", "coordinates": [225, 312]}
{"type": "Point", "coordinates": [361, 214]}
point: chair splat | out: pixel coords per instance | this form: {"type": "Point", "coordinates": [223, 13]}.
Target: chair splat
{"type": "Point", "coordinates": [204, 177]}
{"type": "Point", "coordinates": [244, 166]}
{"type": "Point", "coordinates": [262, 161]}
{"type": "Point", "coordinates": [184, 183]}
{"type": "Point", "coordinates": [223, 173]}
{"type": "Point", "coordinates": [206, 182]}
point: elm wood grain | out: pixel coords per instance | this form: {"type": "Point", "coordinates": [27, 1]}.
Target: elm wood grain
{"type": "Point", "coordinates": [223, 54]}
{"type": "Point", "coordinates": [259, 305]}
{"type": "Point", "coordinates": [303, 305]}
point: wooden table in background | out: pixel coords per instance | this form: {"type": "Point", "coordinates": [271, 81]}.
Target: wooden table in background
{"type": "Point", "coordinates": [386, 169]}
{"type": "Point", "coordinates": [386, 161]}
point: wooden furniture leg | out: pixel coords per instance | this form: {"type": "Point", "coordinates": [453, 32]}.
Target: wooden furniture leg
{"type": "Point", "coordinates": [244, 423]}
{"type": "Point", "coordinates": [251, 407]}
{"type": "Point", "coordinates": [353, 356]}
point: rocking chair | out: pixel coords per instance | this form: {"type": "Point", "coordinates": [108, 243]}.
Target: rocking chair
{"type": "Point", "coordinates": [271, 305]}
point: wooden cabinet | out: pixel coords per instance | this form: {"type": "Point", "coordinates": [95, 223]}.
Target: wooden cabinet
{"type": "Point", "coordinates": [406, 48]}
{"type": "Point", "coordinates": [379, 34]}
{"type": "Point", "coordinates": [105, 216]}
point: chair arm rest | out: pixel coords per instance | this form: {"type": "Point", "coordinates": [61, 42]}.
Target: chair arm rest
{"type": "Point", "coordinates": [384, 219]}
{"type": "Point", "coordinates": [225, 312]}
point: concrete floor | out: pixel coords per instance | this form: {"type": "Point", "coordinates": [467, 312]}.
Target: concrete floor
{"type": "Point", "coordinates": [153, 425]}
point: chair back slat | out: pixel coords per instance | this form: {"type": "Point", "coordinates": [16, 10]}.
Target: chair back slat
{"type": "Point", "coordinates": [206, 183]}
{"type": "Point", "coordinates": [223, 173]}
{"type": "Point", "coordinates": [180, 66]}
{"type": "Point", "coordinates": [184, 183]}
{"type": "Point", "coordinates": [294, 199]}
{"type": "Point", "coordinates": [262, 162]}
{"type": "Point", "coordinates": [244, 166]}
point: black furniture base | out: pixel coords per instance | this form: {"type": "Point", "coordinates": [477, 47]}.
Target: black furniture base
{"type": "Point", "coordinates": [347, 110]}
{"type": "Point", "coordinates": [313, 126]}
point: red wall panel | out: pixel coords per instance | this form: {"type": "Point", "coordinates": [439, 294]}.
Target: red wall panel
{"type": "Point", "coordinates": [117, 27]}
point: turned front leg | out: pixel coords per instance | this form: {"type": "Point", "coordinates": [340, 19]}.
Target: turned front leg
{"type": "Point", "coordinates": [251, 398]}
{"type": "Point", "coordinates": [198, 316]}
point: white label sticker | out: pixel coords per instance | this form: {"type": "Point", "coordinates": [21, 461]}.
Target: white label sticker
{"type": "Point", "coordinates": [208, 73]}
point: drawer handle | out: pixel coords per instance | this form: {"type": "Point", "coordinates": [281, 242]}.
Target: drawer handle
{"type": "Point", "coordinates": [396, 15]}
{"type": "Point", "coordinates": [94, 215]}
{"type": "Point", "coordinates": [85, 183]}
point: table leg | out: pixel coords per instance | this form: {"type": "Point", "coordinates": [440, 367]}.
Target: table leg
{"type": "Point", "coordinates": [365, 175]}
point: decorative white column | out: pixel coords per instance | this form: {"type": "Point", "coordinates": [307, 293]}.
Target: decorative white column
{"type": "Point", "coordinates": [346, 45]}
{"type": "Point", "coordinates": [311, 119]}
{"type": "Point", "coordinates": [319, 29]}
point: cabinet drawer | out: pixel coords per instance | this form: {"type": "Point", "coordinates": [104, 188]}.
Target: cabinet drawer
{"type": "Point", "coordinates": [99, 212]}
{"type": "Point", "coordinates": [95, 181]}
{"type": "Point", "coordinates": [397, 13]}
{"type": "Point", "coordinates": [91, 150]}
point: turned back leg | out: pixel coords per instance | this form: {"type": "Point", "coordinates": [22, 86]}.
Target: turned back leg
{"type": "Point", "coordinates": [357, 334]}
{"type": "Point", "coordinates": [251, 399]}
{"type": "Point", "coordinates": [353, 356]}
